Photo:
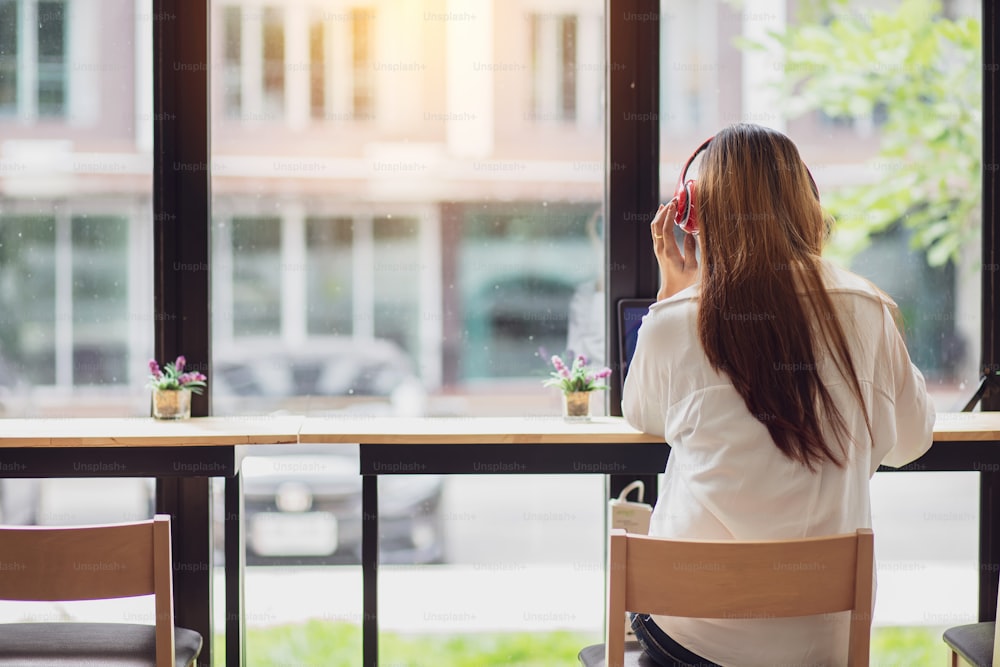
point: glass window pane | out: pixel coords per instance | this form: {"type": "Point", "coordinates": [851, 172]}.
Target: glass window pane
{"type": "Point", "coordinates": [76, 251]}
{"type": "Point", "coordinates": [427, 234]}
{"type": "Point", "coordinates": [75, 206]}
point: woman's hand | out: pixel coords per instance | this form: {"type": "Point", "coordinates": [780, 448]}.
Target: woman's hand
{"type": "Point", "coordinates": [677, 271]}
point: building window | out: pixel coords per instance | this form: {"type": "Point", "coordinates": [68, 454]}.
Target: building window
{"type": "Point", "coordinates": [65, 286]}
{"type": "Point", "coordinates": [317, 69]}
{"type": "Point", "coordinates": [100, 299]}
{"type": "Point", "coordinates": [8, 55]}
{"type": "Point", "coordinates": [33, 57]}
{"type": "Point", "coordinates": [51, 58]}
{"type": "Point", "coordinates": [363, 99]}
{"type": "Point", "coordinates": [232, 87]}
{"type": "Point", "coordinates": [329, 276]}
{"type": "Point", "coordinates": [256, 253]}
{"type": "Point", "coordinates": [260, 80]}
{"type": "Point", "coordinates": [554, 67]}
{"type": "Point", "coordinates": [274, 62]}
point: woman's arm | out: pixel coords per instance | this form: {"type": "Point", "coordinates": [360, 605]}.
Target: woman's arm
{"type": "Point", "coordinates": [914, 411]}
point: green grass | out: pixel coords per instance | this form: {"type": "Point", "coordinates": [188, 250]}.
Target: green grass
{"type": "Point", "coordinates": [326, 644]}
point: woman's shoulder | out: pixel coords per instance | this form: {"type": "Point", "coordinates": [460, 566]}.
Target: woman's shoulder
{"type": "Point", "coordinates": [680, 307]}
{"type": "Point", "coordinates": [840, 280]}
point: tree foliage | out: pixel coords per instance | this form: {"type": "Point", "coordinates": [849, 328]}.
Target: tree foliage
{"type": "Point", "coordinates": [918, 74]}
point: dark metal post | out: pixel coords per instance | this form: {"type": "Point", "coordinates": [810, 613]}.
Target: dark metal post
{"type": "Point", "coordinates": [632, 175]}
{"type": "Point", "coordinates": [989, 489]}
{"type": "Point", "coordinates": [181, 210]}
{"type": "Point", "coordinates": [369, 570]}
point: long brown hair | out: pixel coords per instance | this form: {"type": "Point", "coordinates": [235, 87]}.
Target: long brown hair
{"type": "Point", "coordinates": [765, 317]}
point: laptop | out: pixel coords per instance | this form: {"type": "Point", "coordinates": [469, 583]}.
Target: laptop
{"type": "Point", "coordinates": [630, 314]}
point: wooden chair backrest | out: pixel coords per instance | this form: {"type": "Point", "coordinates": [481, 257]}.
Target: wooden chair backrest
{"type": "Point", "coordinates": [43, 563]}
{"type": "Point", "coordinates": [735, 579]}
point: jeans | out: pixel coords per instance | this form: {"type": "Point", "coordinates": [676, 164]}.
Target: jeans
{"type": "Point", "coordinates": [661, 647]}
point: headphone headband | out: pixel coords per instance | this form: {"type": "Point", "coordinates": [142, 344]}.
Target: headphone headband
{"type": "Point", "coordinates": [685, 194]}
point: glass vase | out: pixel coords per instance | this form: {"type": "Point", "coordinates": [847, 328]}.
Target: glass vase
{"type": "Point", "coordinates": [576, 405]}
{"type": "Point", "coordinates": [171, 403]}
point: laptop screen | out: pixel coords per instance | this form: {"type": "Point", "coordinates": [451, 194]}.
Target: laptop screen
{"type": "Point", "coordinates": [630, 314]}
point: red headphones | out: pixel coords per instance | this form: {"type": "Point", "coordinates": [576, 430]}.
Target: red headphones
{"type": "Point", "coordinates": [686, 215]}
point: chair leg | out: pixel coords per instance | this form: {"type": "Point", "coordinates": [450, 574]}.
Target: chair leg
{"type": "Point", "coordinates": [959, 661]}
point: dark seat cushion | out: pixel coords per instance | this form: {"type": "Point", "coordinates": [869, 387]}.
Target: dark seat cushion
{"type": "Point", "coordinates": [974, 642]}
{"type": "Point", "coordinates": [593, 656]}
{"type": "Point", "coordinates": [90, 644]}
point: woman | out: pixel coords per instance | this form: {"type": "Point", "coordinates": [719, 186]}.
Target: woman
{"type": "Point", "coordinates": [780, 381]}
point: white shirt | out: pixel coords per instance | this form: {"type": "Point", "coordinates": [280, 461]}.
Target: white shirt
{"type": "Point", "coordinates": [725, 478]}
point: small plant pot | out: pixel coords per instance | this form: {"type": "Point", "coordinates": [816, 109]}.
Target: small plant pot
{"type": "Point", "coordinates": [171, 403]}
{"type": "Point", "coordinates": [576, 405]}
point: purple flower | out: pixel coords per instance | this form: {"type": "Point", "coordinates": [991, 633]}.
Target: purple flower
{"type": "Point", "coordinates": [193, 376]}
{"type": "Point", "coordinates": [560, 367]}
{"type": "Point", "coordinates": [179, 364]}
{"type": "Point", "coordinates": [603, 373]}
{"type": "Point", "coordinates": [154, 369]}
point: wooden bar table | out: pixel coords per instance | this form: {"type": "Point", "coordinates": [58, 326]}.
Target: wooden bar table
{"type": "Point", "coordinates": [202, 447]}
{"type": "Point", "coordinates": [970, 441]}
{"type": "Point", "coordinates": [475, 445]}
{"type": "Point", "coordinates": [604, 445]}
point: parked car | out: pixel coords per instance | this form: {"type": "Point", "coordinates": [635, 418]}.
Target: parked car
{"type": "Point", "coordinates": [304, 506]}
{"type": "Point", "coordinates": [303, 502]}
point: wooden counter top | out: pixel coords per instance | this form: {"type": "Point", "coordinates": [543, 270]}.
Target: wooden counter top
{"type": "Point", "coordinates": [251, 430]}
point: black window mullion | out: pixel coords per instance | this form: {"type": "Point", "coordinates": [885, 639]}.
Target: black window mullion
{"type": "Point", "coordinates": [181, 215]}
{"type": "Point", "coordinates": [632, 159]}
{"type": "Point", "coordinates": [632, 175]}
{"type": "Point", "coordinates": [991, 199]}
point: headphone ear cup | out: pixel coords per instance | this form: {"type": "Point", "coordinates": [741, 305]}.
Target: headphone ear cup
{"type": "Point", "coordinates": [687, 217]}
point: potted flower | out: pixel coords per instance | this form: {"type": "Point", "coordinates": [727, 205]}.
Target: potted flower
{"type": "Point", "coordinates": [172, 388]}
{"type": "Point", "coordinates": [576, 382]}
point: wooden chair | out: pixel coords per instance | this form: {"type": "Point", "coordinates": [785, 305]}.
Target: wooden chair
{"type": "Point", "coordinates": [92, 563]}
{"type": "Point", "coordinates": [975, 644]}
{"type": "Point", "coordinates": [744, 582]}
